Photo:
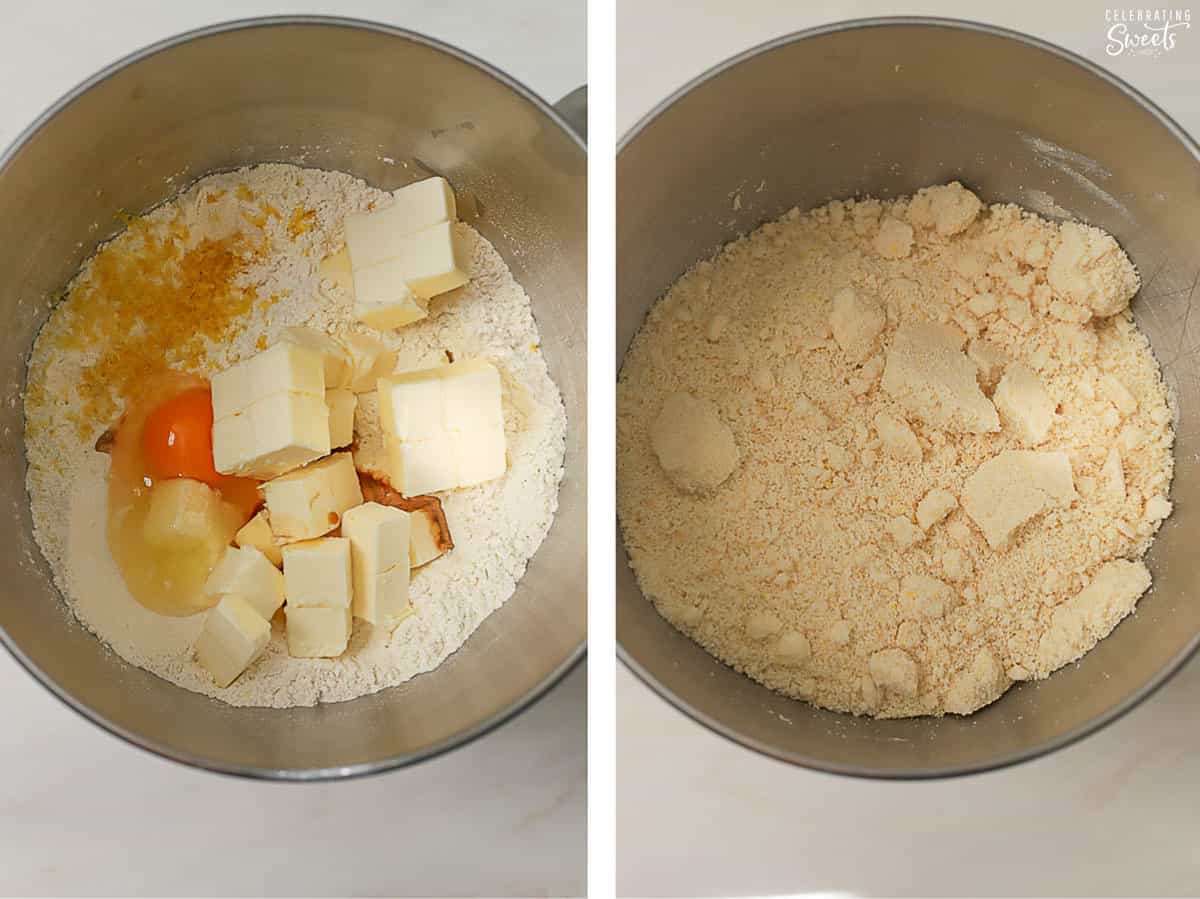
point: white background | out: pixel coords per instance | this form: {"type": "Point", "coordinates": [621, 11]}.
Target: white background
{"type": "Point", "coordinates": [1116, 814]}
{"type": "Point", "coordinates": [82, 813]}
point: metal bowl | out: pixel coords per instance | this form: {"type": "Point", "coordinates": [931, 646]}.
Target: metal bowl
{"type": "Point", "coordinates": [884, 107]}
{"type": "Point", "coordinates": [334, 94]}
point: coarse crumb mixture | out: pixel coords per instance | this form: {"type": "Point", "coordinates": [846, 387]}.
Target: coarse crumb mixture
{"type": "Point", "coordinates": [890, 457]}
{"type": "Point", "coordinates": [208, 279]}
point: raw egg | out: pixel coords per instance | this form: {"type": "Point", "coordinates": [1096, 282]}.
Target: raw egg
{"type": "Point", "coordinates": [166, 540]}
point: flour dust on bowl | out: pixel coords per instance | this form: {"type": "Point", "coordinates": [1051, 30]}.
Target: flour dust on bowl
{"type": "Point", "coordinates": [885, 382]}
{"type": "Point", "coordinates": [304, 437]}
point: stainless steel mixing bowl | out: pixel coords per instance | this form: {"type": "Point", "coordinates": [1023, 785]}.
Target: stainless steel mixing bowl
{"type": "Point", "coordinates": [884, 107]}
{"type": "Point", "coordinates": [386, 105]}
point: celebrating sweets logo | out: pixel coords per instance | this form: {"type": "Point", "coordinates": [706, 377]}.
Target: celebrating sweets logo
{"type": "Point", "coordinates": [1145, 32]}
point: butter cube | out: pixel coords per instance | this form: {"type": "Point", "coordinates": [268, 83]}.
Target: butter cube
{"type": "Point", "coordinates": [480, 455]}
{"type": "Point", "coordinates": [342, 404]}
{"type": "Point", "coordinates": [337, 360]}
{"type": "Point", "coordinates": [183, 510]}
{"type": "Point", "coordinates": [379, 548]}
{"type": "Point", "coordinates": [257, 533]}
{"type": "Point", "coordinates": [309, 502]}
{"type": "Point", "coordinates": [272, 436]}
{"type": "Point", "coordinates": [412, 404]}
{"type": "Point", "coordinates": [371, 236]}
{"type": "Point", "coordinates": [234, 635]}
{"type": "Point", "coordinates": [286, 367]}
{"type": "Point", "coordinates": [472, 397]}
{"type": "Point", "coordinates": [443, 427]}
{"type": "Point", "coordinates": [434, 260]}
{"type": "Point", "coordinates": [422, 204]}
{"type": "Point", "coordinates": [425, 466]}
{"type": "Point", "coordinates": [383, 299]}
{"type": "Point", "coordinates": [249, 574]}
{"type": "Point", "coordinates": [317, 633]}
{"type": "Point", "coordinates": [317, 574]}
{"type": "Point", "coordinates": [370, 360]}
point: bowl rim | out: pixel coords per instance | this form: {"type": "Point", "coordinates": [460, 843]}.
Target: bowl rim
{"type": "Point", "coordinates": [813, 763]}
{"type": "Point", "coordinates": [254, 772]}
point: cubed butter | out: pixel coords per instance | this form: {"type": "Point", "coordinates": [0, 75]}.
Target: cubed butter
{"type": "Point", "coordinates": [286, 367]}
{"type": "Point", "coordinates": [309, 502]}
{"type": "Point", "coordinates": [443, 427]}
{"type": "Point", "coordinates": [370, 360]}
{"type": "Point", "coordinates": [317, 574]}
{"type": "Point", "coordinates": [379, 548]}
{"type": "Point", "coordinates": [183, 510]}
{"type": "Point", "coordinates": [434, 260]}
{"type": "Point", "coordinates": [272, 436]}
{"type": "Point", "coordinates": [317, 633]}
{"type": "Point", "coordinates": [246, 572]}
{"type": "Point", "coordinates": [422, 466]}
{"type": "Point", "coordinates": [480, 454]}
{"type": "Point", "coordinates": [342, 404]}
{"type": "Point", "coordinates": [338, 370]}
{"type": "Point", "coordinates": [383, 299]}
{"type": "Point", "coordinates": [423, 203]}
{"type": "Point", "coordinates": [257, 533]}
{"type": "Point", "coordinates": [234, 635]}
{"type": "Point", "coordinates": [371, 236]}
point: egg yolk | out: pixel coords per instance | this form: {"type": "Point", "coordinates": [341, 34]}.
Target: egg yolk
{"type": "Point", "coordinates": [177, 438]}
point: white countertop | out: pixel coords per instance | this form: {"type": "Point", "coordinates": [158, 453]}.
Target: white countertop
{"type": "Point", "coordinates": [82, 813]}
{"type": "Point", "coordinates": [697, 815]}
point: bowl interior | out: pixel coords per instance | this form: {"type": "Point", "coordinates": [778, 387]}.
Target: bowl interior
{"type": "Point", "coordinates": [913, 103]}
{"type": "Point", "coordinates": [388, 107]}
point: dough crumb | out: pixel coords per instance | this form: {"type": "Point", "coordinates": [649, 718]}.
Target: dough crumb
{"type": "Point", "coordinates": [948, 208]}
{"type": "Point", "coordinates": [694, 447]}
{"type": "Point", "coordinates": [928, 373]}
{"type": "Point", "coordinates": [1015, 487]}
{"type": "Point", "coordinates": [856, 321]}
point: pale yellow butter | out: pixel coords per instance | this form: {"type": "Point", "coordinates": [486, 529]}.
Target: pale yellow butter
{"type": "Point", "coordinates": [336, 358]}
{"type": "Point", "coordinates": [371, 236]}
{"type": "Point", "coordinates": [183, 510]}
{"type": "Point", "coordinates": [257, 533]}
{"type": "Point", "coordinates": [246, 572]}
{"type": "Point", "coordinates": [317, 574]}
{"type": "Point", "coordinates": [370, 360]}
{"type": "Point", "coordinates": [286, 367]}
{"type": "Point", "coordinates": [272, 436]}
{"type": "Point", "coordinates": [434, 261]}
{"type": "Point", "coordinates": [383, 299]}
{"type": "Point", "coordinates": [317, 633]}
{"type": "Point", "coordinates": [443, 427]}
{"type": "Point", "coordinates": [342, 404]}
{"type": "Point", "coordinates": [234, 635]}
{"type": "Point", "coordinates": [379, 546]}
{"type": "Point", "coordinates": [309, 502]}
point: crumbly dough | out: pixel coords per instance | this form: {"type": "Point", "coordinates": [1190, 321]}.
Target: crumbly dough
{"type": "Point", "coordinates": [954, 446]}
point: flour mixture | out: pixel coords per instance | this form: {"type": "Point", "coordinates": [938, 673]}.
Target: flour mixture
{"type": "Point", "coordinates": [891, 457]}
{"type": "Point", "coordinates": [210, 280]}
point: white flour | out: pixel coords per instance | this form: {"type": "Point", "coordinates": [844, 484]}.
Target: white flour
{"type": "Point", "coordinates": [496, 527]}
